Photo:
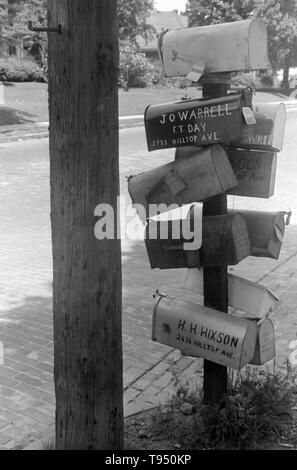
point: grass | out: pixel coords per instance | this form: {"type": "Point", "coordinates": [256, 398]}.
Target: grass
{"type": "Point", "coordinates": [257, 413]}
{"type": "Point", "coordinates": [28, 102]}
{"type": "Point", "coordinates": [29, 99]}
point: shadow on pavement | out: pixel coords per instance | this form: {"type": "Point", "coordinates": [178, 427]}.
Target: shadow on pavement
{"type": "Point", "coordinates": [9, 117]}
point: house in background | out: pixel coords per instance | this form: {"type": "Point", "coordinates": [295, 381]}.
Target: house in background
{"type": "Point", "coordinates": [161, 21]}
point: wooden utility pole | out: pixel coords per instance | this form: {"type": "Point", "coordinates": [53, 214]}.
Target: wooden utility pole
{"type": "Point", "coordinates": [84, 168]}
{"type": "Point", "coordinates": [215, 278]}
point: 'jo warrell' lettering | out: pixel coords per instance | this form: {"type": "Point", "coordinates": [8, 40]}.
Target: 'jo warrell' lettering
{"type": "Point", "coordinates": [200, 122]}
{"type": "Point", "coordinates": [199, 113]}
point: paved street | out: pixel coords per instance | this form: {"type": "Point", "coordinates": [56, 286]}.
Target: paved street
{"type": "Point", "coordinates": [27, 395]}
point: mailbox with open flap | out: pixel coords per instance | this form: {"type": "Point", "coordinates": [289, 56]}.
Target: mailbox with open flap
{"type": "Point", "coordinates": [266, 232]}
{"type": "Point", "coordinates": [225, 240]}
{"type": "Point", "coordinates": [200, 331]}
{"type": "Point", "coordinates": [205, 174]}
{"type": "Point", "coordinates": [196, 121]}
{"type": "Point", "coordinates": [249, 297]}
{"type": "Point", "coordinates": [265, 343]}
{"type": "Point", "coordinates": [227, 47]}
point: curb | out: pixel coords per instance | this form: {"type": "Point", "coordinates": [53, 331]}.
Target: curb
{"type": "Point", "coordinates": [124, 123]}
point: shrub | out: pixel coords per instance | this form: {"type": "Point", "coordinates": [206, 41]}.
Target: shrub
{"type": "Point", "coordinates": [15, 70]}
{"type": "Point", "coordinates": [135, 69]}
{"type": "Point", "coordinates": [245, 80]}
{"type": "Point", "coordinates": [268, 79]}
{"type": "Point", "coordinates": [258, 409]}
{"type": "Point", "coordinates": [257, 412]}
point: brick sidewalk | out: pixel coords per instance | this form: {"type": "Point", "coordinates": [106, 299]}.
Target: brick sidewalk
{"type": "Point", "coordinates": [26, 377]}
{"type": "Point", "coordinates": [27, 397]}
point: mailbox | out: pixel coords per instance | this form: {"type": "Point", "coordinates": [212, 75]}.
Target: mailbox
{"type": "Point", "coordinates": [268, 132]}
{"type": "Point", "coordinates": [196, 121]}
{"type": "Point", "coordinates": [266, 232]}
{"type": "Point", "coordinates": [247, 296]}
{"type": "Point", "coordinates": [225, 240]}
{"type": "Point", "coordinates": [227, 47]}
{"type": "Point", "coordinates": [200, 331]}
{"type": "Point", "coordinates": [205, 174]}
{"type": "Point", "coordinates": [255, 172]}
{"type": "Point", "coordinates": [265, 343]}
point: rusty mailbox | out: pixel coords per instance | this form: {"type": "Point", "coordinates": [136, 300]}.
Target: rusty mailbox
{"type": "Point", "coordinates": [266, 232]}
{"type": "Point", "coordinates": [205, 174]}
{"type": "Point", "coordinates": [197, 121]}
{"type": "Point", "coordinates": [225, 240]}
{"type": "Point", "coordinates": [200, 331]}
{"type": "Point", "coordinates": [227, 47]}
{"type": "Point", "coordinates": [268, 131]}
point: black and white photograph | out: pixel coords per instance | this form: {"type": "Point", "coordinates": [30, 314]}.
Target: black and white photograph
{"type": "Point", "coordinates": [148, 228]}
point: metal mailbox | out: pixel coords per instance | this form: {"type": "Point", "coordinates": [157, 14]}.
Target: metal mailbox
{"type": "Point", "coordinates": [241, 45]}
{"type": "Point", "coordinates": [225, 241]}
{"type": "Point", "coordinates": [205, 174]}
{"type": "Point", "coordinates": [244, 295]}
{"type": "Point", "coordinates": [269, 130]}
{"type": "Point", "coordinates": [255, 172]}
{"type": "Point", "coordinates": [196, 121]}
{"type": "Point", "coordinates": [266, 232]}
{"type": "Point", "coordinates": [265, 343]}
{"type": "Point", "coordinates": [200, 331]}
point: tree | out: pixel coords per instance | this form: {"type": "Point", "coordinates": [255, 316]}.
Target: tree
{"type": "Point", "coordinates": [281, 20]}
{"type": "Point", "coordinates": [132, 18]}
{"type": "Point", "coordinates": [16, 27]}
{"type": "Point", "coordinates": [205, 12]}
{"type": "Point", "coordinates": [3, 25]}
{"type": "Point", "coordinates": [279, 15]}
{"type": "Point", "coordinates": [84, 172]}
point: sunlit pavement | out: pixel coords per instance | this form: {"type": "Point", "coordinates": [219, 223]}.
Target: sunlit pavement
{"type": "Point", "coordinates": [26, 375]}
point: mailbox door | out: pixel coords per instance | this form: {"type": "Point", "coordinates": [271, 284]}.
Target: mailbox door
{"type": "Point", "coordinates": [265, 343]}
{"type": "Point", "coordinates": [255, 172]}
{"type": "Point", "coordinates": [225, 240]}
{"type": "Point", "coordinates": [266, 231]}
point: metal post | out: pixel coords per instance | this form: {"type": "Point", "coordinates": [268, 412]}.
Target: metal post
{"type": "Point", "coordinates": [215, 278]}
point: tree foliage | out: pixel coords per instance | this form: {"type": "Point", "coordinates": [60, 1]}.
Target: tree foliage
{"type": "Point", "coordinates": [132, 17]}
{"type": "Point", "coordinates": [16, 25]}
{"type": "Point", "coordinates": [279, 15]}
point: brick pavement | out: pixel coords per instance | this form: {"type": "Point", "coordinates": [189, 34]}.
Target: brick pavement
{"type": "Point", "coordinates": [26, 376]}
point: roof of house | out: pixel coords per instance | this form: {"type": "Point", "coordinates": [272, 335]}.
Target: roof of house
{"type": "Point", "coordinates": [161, 21]}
